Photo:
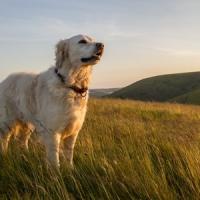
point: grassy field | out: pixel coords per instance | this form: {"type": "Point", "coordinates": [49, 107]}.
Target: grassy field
{"type": "Point", "coordinates": [126, 150]}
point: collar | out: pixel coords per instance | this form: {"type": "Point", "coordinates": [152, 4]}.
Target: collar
{"type": "Point", "coordinates": [60, 76]}
{"type": "Point", "coordinates": [81, 91]}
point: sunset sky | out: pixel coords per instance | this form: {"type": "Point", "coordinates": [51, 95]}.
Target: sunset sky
{"type": "Point", "coordinates": [142, 37]}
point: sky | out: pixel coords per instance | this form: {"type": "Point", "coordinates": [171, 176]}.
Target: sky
{"type": "Point", "coordinates": [142, 38]}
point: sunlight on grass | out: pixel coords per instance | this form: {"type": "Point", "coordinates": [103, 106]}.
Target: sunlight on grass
{"type": "Point", "coordinates": [126, 150]}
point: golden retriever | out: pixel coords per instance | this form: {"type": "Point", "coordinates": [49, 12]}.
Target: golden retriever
{"type": "Point", "coordinates": [54, 102]}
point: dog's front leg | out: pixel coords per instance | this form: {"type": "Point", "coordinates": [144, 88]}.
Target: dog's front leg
{"type": "Point", "coordinates": [68, 150]}
{"type": "Point", "coordinates": [52, 144]}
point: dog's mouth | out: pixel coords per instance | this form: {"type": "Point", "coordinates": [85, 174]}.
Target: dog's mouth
{"type": "Point", "coordinates": [95, 57]}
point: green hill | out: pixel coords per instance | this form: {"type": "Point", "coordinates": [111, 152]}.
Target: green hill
{"type": "Point", "coordinates": [188, 98]}
{"type": "Point", "coordinates": [163, 88]}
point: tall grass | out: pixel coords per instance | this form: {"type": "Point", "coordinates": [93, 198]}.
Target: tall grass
{"type": "Point", "coordinates": [126, 150]}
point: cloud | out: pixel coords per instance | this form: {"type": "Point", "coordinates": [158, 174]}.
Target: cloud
{"type": "Point", "coordinates": [42, 29]}
{"type": "Point", "coordinates": [45, 29]}
{"type": "Point", "coordinates": [178, 52]}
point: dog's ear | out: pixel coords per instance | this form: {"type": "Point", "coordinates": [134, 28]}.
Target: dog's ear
{"type": "Point", "coordinates": [61, 52]}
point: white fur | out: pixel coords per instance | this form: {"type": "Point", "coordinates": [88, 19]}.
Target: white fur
{"type": "Point", "coordinates": [42, 102]}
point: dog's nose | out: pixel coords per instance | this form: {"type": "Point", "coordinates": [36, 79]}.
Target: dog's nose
{"type": "Point", "coordinates": [100, 45]}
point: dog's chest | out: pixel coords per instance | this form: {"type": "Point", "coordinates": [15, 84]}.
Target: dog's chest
{"type": "Point", "coordinates": [70, 115]}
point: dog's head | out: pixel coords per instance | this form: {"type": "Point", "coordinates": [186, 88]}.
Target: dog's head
{"type": "Point", "coordinates": [79, 50]}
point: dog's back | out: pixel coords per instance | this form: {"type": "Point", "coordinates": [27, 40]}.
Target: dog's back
{"type": "Point", "coordinates": [16, 93]}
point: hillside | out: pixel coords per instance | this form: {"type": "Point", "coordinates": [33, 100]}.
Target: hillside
{"type": "Point", "coordinates": [188, 98]}
{"type": "Point", "coordinates": [126, 150]}
{"type": "Point", "coordinates": [162, 88]}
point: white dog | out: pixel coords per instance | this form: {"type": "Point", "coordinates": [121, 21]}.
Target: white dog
{"type": "Point", "coordinates": [53, 102]}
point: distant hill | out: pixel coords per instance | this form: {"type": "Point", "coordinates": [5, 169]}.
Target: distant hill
{"type": "Point", "coordinates": [188, 98]}
{"type": "Point", "coordinates": [183, 88]}
{"type": "Point", "coordinates": [102, 92]}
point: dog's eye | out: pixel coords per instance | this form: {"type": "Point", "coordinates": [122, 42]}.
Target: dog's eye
{"type": "Point", "coordinates": [82, 42]}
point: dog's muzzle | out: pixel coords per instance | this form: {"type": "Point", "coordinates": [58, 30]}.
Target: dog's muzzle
{"type": "Point", "coordinates": [97, 55]}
